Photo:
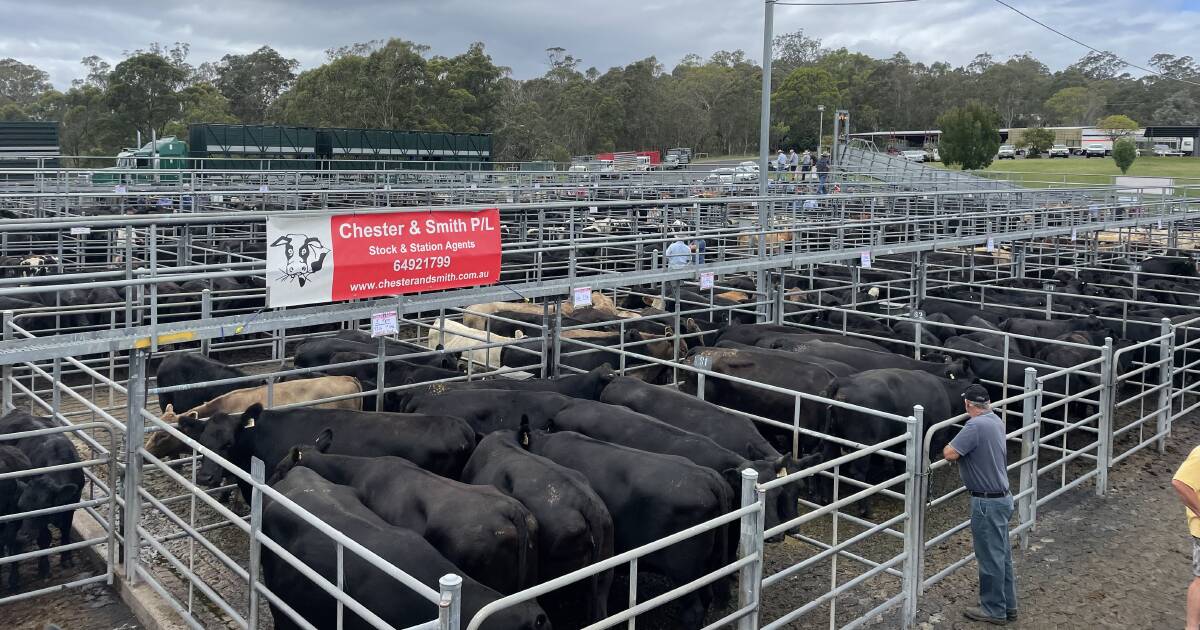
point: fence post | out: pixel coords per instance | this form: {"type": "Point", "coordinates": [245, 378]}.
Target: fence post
{"type": "Point", "coordinates": [134, 428]}
{"type": "Point", "coordinates": [450, 606]}
{"type": "Point", "coordinates": [6, 371]}
{"type": "Point", "coordinates": [1027, 506]}
{"type": "Point", "coordinates": [750, 541]}
{"type": "Point", "coordinates": [1166, 356]}
{"type": "Point", "coordinates": [258, 472]}
{"type": "Point", "coordinates": [1104, 442]}
{"type": "Point", "coordinates": [917, 468]}
{"type": "Point", "coordinates": [205, 315]}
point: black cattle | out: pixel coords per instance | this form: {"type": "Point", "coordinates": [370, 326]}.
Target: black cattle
{"type": "Point", "coordinates": [860, 359]}
{"type": "Point", "coordinates": [907, 330]}
{"type": "Point", "coordinates": [787, 372]}
{"type": "Point", "coordinates": [1049, 329]}
{"type": "Point", "coordinates": [588, 385]}
{"type": "Point", "coordinates": [489, 410]}
{"type": "Point", "coordinates": [489, 535]}
{"type": "Point", "coordinates": [12, 459]}
{"type": "Point", "coordinates": [993, 369]}
{"type": "Point", "coordinates": [932, 320]}
{"type": "Point", "coordinates": [192, 367]}
{"type": "Point", "coordinates": [316, 352]}
{"type": "Point", "coordinates": [785, 337]}
{"type": "Point", "coordinates": [1174, 263]}
{"type": "Point", "coordinates": [443, 360]}
{"type": "Point", "coordinates": [396, 604]}
{"type": "Point", "coordinates": [439, 444]}
{"type": "Point", "coordinates": [44, 490]}
{"type": "Point", "coordinates": [32, 322]}
{"type": "Point", "coordinates": [651, 496]}
{"type": "Point", "coordinates": [397, 372]}
{"type": "Point", "coordinates": [960, 313]}
{"type": "Point", "coordinates": [623, 426]}
{"type": "Point", "coordinates": [893, 391]}
{"type": "Point", "coordinates": [574, 526]}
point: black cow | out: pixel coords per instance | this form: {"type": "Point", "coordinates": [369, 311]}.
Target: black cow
{"type": "Point", "coordinates": [193, 367]}
{"type": "Point", "coordinates": [779, 336]}
{"type": "Point", "coordinates": [893, 391]}
{"type": "Point", "coordinates": [621, 425]}
{"type": "Point", "coordinates": [489, 535]}
{"type": "Point", "coordinates": [315, 352]}
{"type": "Point", "coordinates": [44, 490]}
{"type": "Point", "coordinates": [1174, 263]}
{"type": "Point", "coordinates": [489, 410]}
{"type": "Point", "coordinates": [645, 507]}
{"type": "Point", "coordinates": [12, 459]}
{"type": "Point", "coordinates": [398, 605]}
{"type": "Point", "coordinates": [993, 369]}
{"type": "Point", "coordinates": [860, 359]}
{"type": "Point", "coordinates": [588, 385]}
{"type": "Point", "coordinates": [574, 527]}
{"type": "Point", "coordinates": [439, 444]}
{"type": "Point", "coordinates": [960, 313]}
{"type": "Point", "coordinates": [397, 372]}
{"type": "Point", "coordinates": [1049, 329]}
{"type": "Point", "coordinates": [444, 360]}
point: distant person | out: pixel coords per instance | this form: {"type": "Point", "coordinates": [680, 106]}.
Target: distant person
{"type": "Point", "coordinates": [806, 164]}
{"type": "Point", "coordinates": [981, 451]}
{"type": "Point", "coordinates": [1187, 483]}
{"type": "Point", "coordinates": [793, 163]}
{"type": "Point", "coordinates": [822, 172]}
{"type": "Point", "coordinates": [679, 255]}
{"type": "Point", "coordinates": [780, 165]}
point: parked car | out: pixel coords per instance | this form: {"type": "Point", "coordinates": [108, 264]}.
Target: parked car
{"type": "Point", "coordinates": [735, 175]}
{"type": "Point", "coordinates": [750, 164]}
{"type": "Point", "coordinates": [1094, 150]}
{"type": "Point", "coordinates": [1060, 150]}
{"type": "Point", "coordinates": [914, 156]}
{"type": "Point", "coordinates": [1162, 150]}
{"type": "Point", "coordinates": [1006, 151]}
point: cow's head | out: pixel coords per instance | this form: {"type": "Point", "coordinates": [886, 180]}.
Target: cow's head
{"type": "Point", "coordinates": [37, 266]}
{"type": "Point", "coordinates": [39, 493]}
{"type": "Point", "coordinates": [295, 455]}
{"type": "Point", "coordinates": [220, 434]}
{"type": "Point", "coordinates": [304, 256]}
{"type": "Point", "coordinates": [959, 369]}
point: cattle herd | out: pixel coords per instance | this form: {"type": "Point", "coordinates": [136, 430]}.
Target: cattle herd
{"type": "Point", "coordinates": [511, 482]}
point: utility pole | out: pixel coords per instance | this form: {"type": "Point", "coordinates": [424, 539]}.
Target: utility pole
{"type": "Point", "coordinates": [764, 139]}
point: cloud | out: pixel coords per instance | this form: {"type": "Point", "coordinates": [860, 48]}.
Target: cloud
{"type": "Point", "coordinates": [55, 35]}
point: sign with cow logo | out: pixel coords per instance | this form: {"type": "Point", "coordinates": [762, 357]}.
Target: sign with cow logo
{"type": "Point", "coordinates": [330, 258]}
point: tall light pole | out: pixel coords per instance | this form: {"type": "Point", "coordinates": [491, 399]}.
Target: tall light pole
{"type": "Point", "coordinates": [764, 123]}
{"type": "Point", "coordinates": [820, 129]}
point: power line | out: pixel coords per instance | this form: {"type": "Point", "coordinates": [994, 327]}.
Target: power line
{"type": "Point", "coordinates": [841, 4]}
{"type": "Point", "coordinates": [1095, 50]}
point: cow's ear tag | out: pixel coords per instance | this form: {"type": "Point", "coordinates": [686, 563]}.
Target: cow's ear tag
{"type": "Point", "coordinates": [952, 377]}
{"type": "Point", "coordinates": [782, 473]}
{"type": "Point", "coordinates": [248, 424]}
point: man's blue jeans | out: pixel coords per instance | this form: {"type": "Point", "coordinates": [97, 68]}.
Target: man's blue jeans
{"type": "Point", "coordinates": [821, 183]}
{"type": "Point", "coordinates": [993, 553]}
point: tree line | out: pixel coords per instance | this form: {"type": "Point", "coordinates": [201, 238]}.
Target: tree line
{"type": "Point", "coordinates": [708, 104]}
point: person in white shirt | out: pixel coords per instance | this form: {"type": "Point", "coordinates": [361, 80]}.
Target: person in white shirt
{"type": "Point", "coordinates": [679, 255]}
{"type": "Point", "coordinates": [793, 163]}
{"type": "Point", "coordinates": [780, 165]}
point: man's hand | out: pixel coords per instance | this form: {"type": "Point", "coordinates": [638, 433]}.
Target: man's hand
{"type": "Point", "coordinates": [949, 453]}
{"type": "Point", "coordinates": [1188, 495]}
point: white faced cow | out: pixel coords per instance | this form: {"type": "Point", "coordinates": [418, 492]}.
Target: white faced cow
{"type": "Point", "coordinates": [305, 255]}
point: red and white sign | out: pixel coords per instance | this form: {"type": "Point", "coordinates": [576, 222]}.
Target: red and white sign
{"type": "Point", "coordinates": [324, 258]}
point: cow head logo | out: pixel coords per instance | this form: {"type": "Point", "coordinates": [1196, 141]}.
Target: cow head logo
{"type": "Point", "coordinates": [304, 255]}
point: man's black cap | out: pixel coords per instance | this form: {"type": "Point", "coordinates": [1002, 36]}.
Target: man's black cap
{"type": "Point", "coordinates": [977, 394]}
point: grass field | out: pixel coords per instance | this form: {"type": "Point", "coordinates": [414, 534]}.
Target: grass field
{"type": "Point", "coordinates": [1041, 173]}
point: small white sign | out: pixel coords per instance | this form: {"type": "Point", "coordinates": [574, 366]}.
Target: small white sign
{"type": "Point", "coordinates": [991, 245]}
{"type": "Point", "coordinates": [264, 188]}
{"type": "Point", "coordinates": [1160, 224]}
{"type": "Point", "coordinates": [593, 209]}
{"type": "Point", "coordinates": [120, 189]}
{"type": "Point", "coordinates": [702, 362]}
{"type": "Point", "coordinates": [1074, 234]}
{"type": "Point", "coordinates": [581, 297]}
{"type": "Point", "coordinates": [81, 230]}
{"type": "Point", "coordinates": [163, 201]}
{"type": "Point", "coordinates": [387, 187]}
{"type": "Point", "coordinates": [387, 323]}
{"type": "Point", "coordinates": [537, 185]}
{"type": "Point", "coordinates": [706, 279]}
{"type": "Point", "coordinates": [217, 198]}
{"type": "Point", "coordinates": [865, 260]}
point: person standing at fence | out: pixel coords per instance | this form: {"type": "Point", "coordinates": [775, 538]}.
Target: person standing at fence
{"type": "Point", "coordinates": [1187, 483]}
{"type": "Point", "coordinates": [806, 163]}
{"type": "Point", "coordinates": [780, 165]}
{"type": "Point", "coordinates": [981, 451]}
{"type": "Point", "coordinates": [679, 255]}
{"type": "Point", "coordinates": [822, 172]}
{"type": "Point", "coordinates": [793, 163]}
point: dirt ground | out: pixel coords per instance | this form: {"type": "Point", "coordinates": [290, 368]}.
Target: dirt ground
{"type": "Point", "coordinates": [94, 607]}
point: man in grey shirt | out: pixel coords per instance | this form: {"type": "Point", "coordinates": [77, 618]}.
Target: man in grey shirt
{"type": "Point", "coordinates": [981, 452]}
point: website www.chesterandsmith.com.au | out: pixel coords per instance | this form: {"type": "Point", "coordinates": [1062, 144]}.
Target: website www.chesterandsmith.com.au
{"type": "Point", "coordinates": [401, 283]}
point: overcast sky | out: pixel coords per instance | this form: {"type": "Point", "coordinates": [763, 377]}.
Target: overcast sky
{"type": "Point", "coordinates": [56, 34]}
